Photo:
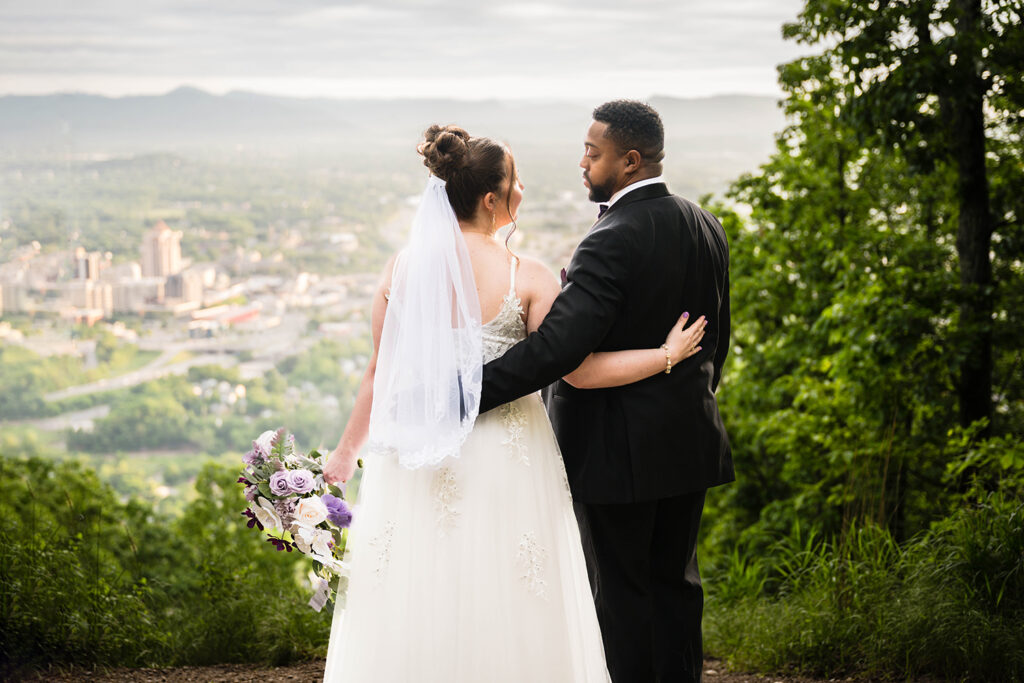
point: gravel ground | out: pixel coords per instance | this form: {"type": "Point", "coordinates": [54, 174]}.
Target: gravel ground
{"type": "Point", "coordinates": [312, 671]}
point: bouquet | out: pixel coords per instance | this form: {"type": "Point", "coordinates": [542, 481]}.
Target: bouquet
{"type": "Point", "coordinates": [289, 499]}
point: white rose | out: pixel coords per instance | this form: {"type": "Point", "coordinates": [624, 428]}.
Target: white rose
{"type": "Point", "coordinates": [264, 439]}
{"type": "Point", "coordinates": [311, 511]}
{"type": "Point", "coordinates": [266, 514]}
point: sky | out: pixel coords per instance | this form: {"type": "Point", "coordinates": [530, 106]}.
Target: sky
{"type": "Point", "coordinates": [464, 49]}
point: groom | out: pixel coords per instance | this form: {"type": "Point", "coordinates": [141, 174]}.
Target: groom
{"type": "Point", "coordinates": [639, 457]}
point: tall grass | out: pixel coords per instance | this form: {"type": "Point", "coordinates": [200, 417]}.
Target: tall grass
{"type": "Point", "coordinates": [949, 603]}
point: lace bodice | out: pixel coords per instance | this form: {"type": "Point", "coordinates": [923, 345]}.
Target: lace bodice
{"type": "Point", "coordinates": [507, 328]}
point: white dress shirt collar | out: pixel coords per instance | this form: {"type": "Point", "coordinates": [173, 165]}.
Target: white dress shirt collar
{"type": "Point", "coordinates": [635, 186]}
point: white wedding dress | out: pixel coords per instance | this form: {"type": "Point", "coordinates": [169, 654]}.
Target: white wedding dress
{"type": "Point", "coordinates": [471, 572]}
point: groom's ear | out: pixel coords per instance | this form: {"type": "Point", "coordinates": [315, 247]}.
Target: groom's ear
{"type": "Point", "coordinates": [632, 161]}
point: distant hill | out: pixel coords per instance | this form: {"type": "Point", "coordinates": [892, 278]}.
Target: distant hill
{"type": "Point", "coordinates": [188, 117]}
{"type": "Point", "coordinates": [709, 140]}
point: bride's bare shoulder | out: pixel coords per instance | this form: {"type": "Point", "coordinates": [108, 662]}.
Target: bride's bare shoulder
{"type": "Point", "coordinates": [535, 278]}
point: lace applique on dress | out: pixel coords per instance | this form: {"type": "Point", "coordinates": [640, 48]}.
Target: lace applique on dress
{"type": "Point", "coordinates": [446, 492]}
{"type": "Point", "coordinates": [383, 545]}
{"type": "Point", "coordinates": [531, 558]}
{"type": "Point", "coordinates": [507, 328]}
{"type": "Point", "coordinates": [515, 423]}
{"type": "Point", "coordinates": [514, 303]}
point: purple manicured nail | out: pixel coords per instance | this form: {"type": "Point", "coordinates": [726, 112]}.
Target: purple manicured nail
{"type": "Point", "coordinates": [686, 314]}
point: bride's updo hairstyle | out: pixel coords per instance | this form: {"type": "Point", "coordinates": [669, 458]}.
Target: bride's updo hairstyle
{"type": "Point", "coordinates": [471, 167]}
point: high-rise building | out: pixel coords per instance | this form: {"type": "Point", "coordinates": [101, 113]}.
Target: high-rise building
{"type": "Point", "coordinates": [87, 264]}
{"type": "Point", "coordinates": [186, 285]}
{"type": "Point", "coordinates": [93, 295]}
{"type": "Point", "coordinates": [132, 296]}
{"type": "Point", "coordinates": [13, 297]}
{"type": "Point", "coordinates": [161, 251]}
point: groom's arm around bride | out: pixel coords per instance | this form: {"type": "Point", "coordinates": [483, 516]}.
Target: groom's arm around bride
{"type": "Point", "coordinates": [639, 457]}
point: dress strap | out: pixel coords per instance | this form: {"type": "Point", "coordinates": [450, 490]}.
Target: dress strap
{"type": "Point", "coordinates": [512, 276]}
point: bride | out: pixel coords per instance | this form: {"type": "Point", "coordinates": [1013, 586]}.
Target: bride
{"type": "Point", "coordinates": [466, 558]}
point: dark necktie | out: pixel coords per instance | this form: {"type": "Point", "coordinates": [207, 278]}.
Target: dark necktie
{"type": "Point", "coordinates": [601, 208]}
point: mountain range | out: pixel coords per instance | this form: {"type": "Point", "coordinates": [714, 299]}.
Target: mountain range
{"type": "Point", "coordinates": [192, 118]}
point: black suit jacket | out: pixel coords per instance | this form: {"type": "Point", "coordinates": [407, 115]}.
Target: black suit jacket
{"type": "Point", "coordinates": [650, 257]}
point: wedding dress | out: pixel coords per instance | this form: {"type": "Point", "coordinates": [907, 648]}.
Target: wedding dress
{"type": "Point", "coordinates": [470, 572]}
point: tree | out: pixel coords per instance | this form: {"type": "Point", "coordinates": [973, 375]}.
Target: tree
{"type": "Point", "coordinates": [931, 78]}
{"type": "Point", "coordinates": [855, 333]}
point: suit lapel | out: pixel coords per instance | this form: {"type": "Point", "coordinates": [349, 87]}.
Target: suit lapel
{"type": "Point", "coordinates": [646, 192]}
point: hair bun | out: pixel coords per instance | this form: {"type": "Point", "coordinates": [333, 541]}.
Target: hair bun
{"type": "Point", "coordinates": [445, 150]}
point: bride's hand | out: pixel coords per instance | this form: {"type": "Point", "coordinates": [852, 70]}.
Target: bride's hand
{"type": "Point", "coordinates": [683, 342]}
{"type": "Point", "coordinates": [340, 466]}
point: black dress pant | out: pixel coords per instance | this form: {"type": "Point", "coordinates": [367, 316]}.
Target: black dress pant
{"type": "Point", "coordinates": [642, 561]}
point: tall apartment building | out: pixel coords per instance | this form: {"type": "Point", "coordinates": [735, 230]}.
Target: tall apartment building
{"type": "Point", "coordinates": [186, 285]}
{"type": "Point", "coordinates": [13, 297]}
{"type": "Point", "coordinates": [93, 295]}
{"type": "Point", "coordinates": [161, 251]}
{"type": "Point", "coordinates": [88, 264]}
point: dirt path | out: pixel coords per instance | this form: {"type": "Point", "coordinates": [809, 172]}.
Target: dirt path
{"type": "Point", "coordinates": [312, 672]}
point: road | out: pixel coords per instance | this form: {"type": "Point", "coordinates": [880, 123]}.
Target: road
{"type": "Point", "coordinates": [271, 345]}
{"type": "Point", "coordinates": [79, 419]}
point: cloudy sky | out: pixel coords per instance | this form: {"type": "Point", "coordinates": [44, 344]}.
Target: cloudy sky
{"type": "Point", "coordinates": [467, 49]}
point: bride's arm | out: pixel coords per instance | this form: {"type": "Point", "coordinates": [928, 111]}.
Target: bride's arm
{"type": "Point", "coordinates": [342, 461]}
{"type": "Point", "coordinates": [604, 369]}
{"type": "Point", "coordinates": [615, 368]}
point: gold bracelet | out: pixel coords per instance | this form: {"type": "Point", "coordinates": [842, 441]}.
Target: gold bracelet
{"type": "Point", "coordinates": [668, 359]}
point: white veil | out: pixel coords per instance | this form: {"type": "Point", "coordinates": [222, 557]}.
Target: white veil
{"type": "Point", "coordinates": [426, 391]}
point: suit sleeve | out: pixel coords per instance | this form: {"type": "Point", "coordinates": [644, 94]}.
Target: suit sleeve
{"type": "Point", "coordinates": [579, 319]}
{"type": "Point", "coordinates": [724, 330]}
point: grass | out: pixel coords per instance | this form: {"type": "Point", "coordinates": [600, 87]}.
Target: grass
{"type": "Point", "coordinates": [950, 603]}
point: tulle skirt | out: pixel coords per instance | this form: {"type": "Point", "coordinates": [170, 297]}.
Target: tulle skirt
{"type": "Point", "coordinates": [471, 572]}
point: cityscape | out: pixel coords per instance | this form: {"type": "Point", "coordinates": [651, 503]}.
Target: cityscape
{"type": "Point", "coordinates": [150, 347]}
{"type": "Point", "coordinates": [169, 291]}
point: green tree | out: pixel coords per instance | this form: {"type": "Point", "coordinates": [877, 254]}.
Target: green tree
{"type": "Point", "coordinates": [935, 80]}
{"type": "Point", "coordinates": [851, 342]}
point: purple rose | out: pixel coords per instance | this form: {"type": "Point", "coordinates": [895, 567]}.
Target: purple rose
{"type": "Point", "coordinates": [279, 483]}
{"type": "Point", "coordinates": [300, 481]}
{"type": "Point", "coordinates": [338, 512]}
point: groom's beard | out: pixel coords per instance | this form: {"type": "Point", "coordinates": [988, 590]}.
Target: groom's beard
{"type": "Point", "coordinates": [600, 193]}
